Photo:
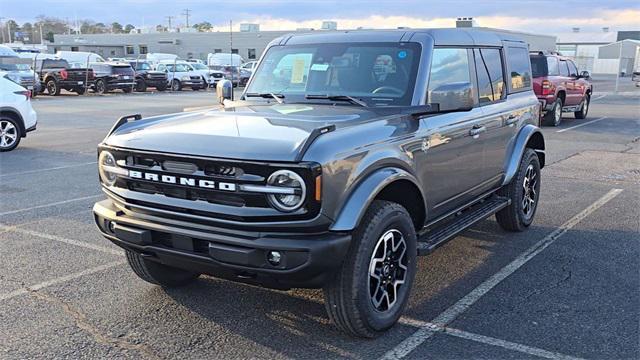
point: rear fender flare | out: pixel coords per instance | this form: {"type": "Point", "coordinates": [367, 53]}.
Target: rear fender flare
{"type": "Point", "coordinates": [519, 147]}
{"type": "Point", "coordinates": [364, 194]}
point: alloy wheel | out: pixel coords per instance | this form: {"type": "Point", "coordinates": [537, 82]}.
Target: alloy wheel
{"type": "Point", "coordinates": [8, 134]}
{"type": "Point", "coordinates": [387, 270]}
{"type": "Point", "coordinates": [558, 114]}
{"type": "Point", "coordinates": [530, 192]}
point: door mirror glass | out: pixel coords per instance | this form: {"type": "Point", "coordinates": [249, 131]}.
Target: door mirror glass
{"type": "Point", "coordinates": [585, 74]}
{"type": "Point", "coordinates": [457, 96]}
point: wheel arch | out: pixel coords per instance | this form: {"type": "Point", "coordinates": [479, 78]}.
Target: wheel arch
{"type": "Point", "coordinates": [391, 184]}
{"type": "Point", "coordinates": [14, 114]}
{"type": "Point", "coordinates": [529, 137]}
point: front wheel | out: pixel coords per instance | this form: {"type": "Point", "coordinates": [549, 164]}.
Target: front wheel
{"type": "Point", "coordinates": [369, 292]}
{"type": "Point", "coordinates": [159, 274]}
{"type": "Point", "coordinates": [176, 85]}
{"type": "Point", "coordinates": [141, 86]}
{"type": "Point", "coordinates": [524, 193]}
{"type": "Point", "coordinates": [101, 87]}
{"type": "Point", "coordinates": [582, 114]}
{"type": "Point", "coordinates": [127, 90]}
{"type": "Point", "coordinates": [52, 87]}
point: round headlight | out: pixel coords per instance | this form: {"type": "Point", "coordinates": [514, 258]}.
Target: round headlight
{"type": "Point", "coordinates": [294, 190]}
{"type": "Point", "coordinates": [106, 163]}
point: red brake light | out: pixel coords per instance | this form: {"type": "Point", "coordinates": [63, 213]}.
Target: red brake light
{"type": "Point", "coordinates": [547, 87]}
{"type": "Point", "coordinates": [26, 93]}
{"type": "Point", "coordinates": [63, 74]}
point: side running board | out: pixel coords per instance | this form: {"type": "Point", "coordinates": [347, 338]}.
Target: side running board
{"type": "Point", "coordinates": [440, 234]}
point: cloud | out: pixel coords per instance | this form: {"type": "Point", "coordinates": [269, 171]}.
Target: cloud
{"type": "Point", "coordinates": [615, 19]}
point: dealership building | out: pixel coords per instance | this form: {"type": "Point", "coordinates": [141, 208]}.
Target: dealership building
{"type": "Point", "coordinates": [249, 42]}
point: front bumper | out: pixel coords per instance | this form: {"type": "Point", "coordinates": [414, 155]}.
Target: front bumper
{"type": "Point", "coordinates": [307, 260]}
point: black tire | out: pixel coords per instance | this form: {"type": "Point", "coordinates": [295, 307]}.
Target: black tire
{"type": "Point", "coordinates": [554, 116]}
{"type": "Point", "coordinates": [101, 87]}
{"type": "Point", "coordinates": [176, 85]}
{"type": "Point", "coordinates": [79, 91]}
{"type": "Point", "coordinates": [127, 90]}
{"type": "Point", "coordinates": [159, 274]}
{"type": "Point", "coordinates": [161, 87]}
{"type": "Point", "coordinates": [141, 86]}
{"type": "Point", "coordinates": [582, 114]}
{"type": "Point", "coordinates": [516, 216]}
{"type": "Point", "coordinates": [195, 88]}
{"type": "Point", "coordinates": [52, 87]}
{"type": "Point", "coordinates": [10, 133]}
{"type": "Point", "coordinates": [348, 293]}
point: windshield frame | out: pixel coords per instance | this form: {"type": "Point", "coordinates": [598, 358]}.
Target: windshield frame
{"type": "Point", "coordinates": [406, 99]}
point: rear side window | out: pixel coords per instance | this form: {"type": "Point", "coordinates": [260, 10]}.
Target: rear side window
{"type": "Point", "coordinates": [564, 68]}
{"type": "Point", "coordinates": [490, 75]}
{"type": "Point", "coordinates": [539, 66]}
{"type": "Point", "coordinates": [519, 68]}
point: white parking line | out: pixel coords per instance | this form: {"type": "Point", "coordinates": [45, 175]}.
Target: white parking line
{"type": "Point", "coordinates": [599, 97]}
{"type": "Point", "coordinates": [409, 344]}
{"type": "Point", "coordinates": [59, 280]}
{"type": "Point", "coordinates": [487, 340]}
{"type": "Point", "coordinates": [583, 124]}
{"type": "Point", "coordinates": [62, 240]}
{"type": "Point", "coordinates": [50, 205]}
{"type": "Point", "coordinates": [48, 169]}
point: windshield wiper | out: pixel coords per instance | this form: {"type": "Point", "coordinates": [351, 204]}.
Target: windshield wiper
{"type": "Point", "coordinates": [348, 98]}
{"type": "Point", "coordinates": [277, 97]}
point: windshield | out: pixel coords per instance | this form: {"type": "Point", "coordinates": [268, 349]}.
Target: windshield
{"type": "Point", "coordinates": [198, 66]}
{"type": "Point", "coordinates": [8, 67]}
{"type": "Point", "coordinates": [141, 66]}
{"type": "Point", "coordinates": [178, 68]}
{"type": "Point", "coordinates": [378, 73]}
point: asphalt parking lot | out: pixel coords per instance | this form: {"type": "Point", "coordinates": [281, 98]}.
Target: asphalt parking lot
{"type": "Point", "coordinates": [569, 287]}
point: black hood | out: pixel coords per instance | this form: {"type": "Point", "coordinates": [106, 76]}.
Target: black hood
{"type": "Point", "coordinates": [274, 132]}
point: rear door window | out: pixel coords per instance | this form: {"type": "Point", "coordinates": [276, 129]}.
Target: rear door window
{"type": "Point", "coordinates": [564, 68]}
{"type": "Point", "coordinates": [490, 75]}
{"type": "Point", "coordinates": [519, 68]}
{"type": "Point", "coordinates": [552, 66]}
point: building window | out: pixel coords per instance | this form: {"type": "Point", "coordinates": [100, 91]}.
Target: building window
{"type": "Point", "coordinates": [217, 51]}
{"type": "Point", "coordinates": [129, 50]}
{"type": "Point", "coordinates": [234, 51]}
{"type": "Point", "coordinates": [74, 48]}
{"type": "Point", "coordinates": [143, 49]}
{"type": "Point", "coordinates": [251, 54]}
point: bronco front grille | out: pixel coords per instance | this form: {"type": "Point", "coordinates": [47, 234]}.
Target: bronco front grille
{"type": "Point", "coordinates": [228, 176]}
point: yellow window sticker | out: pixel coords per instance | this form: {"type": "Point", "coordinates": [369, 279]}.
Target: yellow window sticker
{"type": "Point", "coordinates": [297, 73]}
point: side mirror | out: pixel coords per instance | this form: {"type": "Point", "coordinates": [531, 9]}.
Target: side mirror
{"type": "Point", "coordinates": [585, 74]}
{"type": "Point", "coordinates": [453, 96]}
{"type": "Point", "coordinates": [224, 91]}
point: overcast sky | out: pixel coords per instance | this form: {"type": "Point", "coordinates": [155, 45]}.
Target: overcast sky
{"type": "Point", "coordinates": [539, 16]}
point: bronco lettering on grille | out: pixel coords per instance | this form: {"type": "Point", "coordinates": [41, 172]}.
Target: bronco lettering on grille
{"type": "Point", "coordinates": [185, 181]}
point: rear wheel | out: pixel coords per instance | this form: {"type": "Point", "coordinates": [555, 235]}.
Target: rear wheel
{"type": "Point", "coordinates": [554, 116]}
{"type": "Point", "coordinates": [159, 274]}
{"type": "Point", "coordinates": [52, 87]}
{"type": "Point", "coordinates": [524, 192]}
{"type": "Point", "coordinates": [368, 294]}
{"type": "Point", "coordinates": [9, 133]}
{"type": "Point", "coordinates": [582, 114]}
{"type": "Point", "coordinates": [127, 90]}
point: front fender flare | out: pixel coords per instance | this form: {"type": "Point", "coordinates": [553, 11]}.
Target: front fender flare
{"type": "Point", "coordinates": [519, 146]}
{"type": "Point", "coordinates": [365, 192]}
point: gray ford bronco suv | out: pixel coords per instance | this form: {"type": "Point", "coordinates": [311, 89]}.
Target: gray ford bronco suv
{"type": "Point", "coordinates": [348, 155]}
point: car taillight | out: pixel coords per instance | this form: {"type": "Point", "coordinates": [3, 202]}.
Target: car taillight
{"type": "Point", "coordinates": [26, 93]}
{"type": "Point", "coordinates": [63, 74]}
{"type": "Point", "coordinates": [547, 87]}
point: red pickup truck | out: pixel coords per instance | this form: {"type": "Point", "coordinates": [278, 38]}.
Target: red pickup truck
{"type": "Point", "coordinates": [560, 87]}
